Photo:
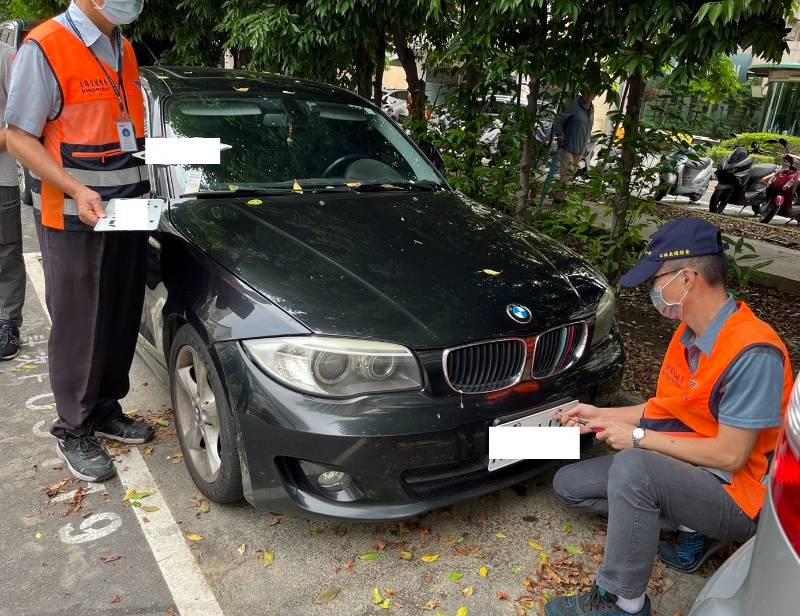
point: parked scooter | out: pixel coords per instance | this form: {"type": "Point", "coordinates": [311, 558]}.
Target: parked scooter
{"type": "Point", "coordinates": [740, 181]}
{"type": "Point", "coordinates": [685, 176]}
{"type": "Point", "coordinates": [782, 194]}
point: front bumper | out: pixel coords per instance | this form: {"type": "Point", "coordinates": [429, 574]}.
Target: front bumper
{"type": "Point", "coordinates": [407, 452]}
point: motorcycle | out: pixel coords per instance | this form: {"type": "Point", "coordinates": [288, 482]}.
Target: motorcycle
{"type": "Point", "coordinates": [740, 181]}
{"type": "Point", "coordinates": [686, 175]}
{"type": "Point", "coordinates": [782, 195]}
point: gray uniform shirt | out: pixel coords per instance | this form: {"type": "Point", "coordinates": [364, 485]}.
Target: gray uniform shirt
{"type": "Point", "coordinates": [574, 124]}
{"type": "Point", "coordinates": [34, 96]}
{"type": "Point", "coordinates": [8, 166]}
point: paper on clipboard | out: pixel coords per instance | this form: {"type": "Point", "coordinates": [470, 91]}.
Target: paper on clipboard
{"type": "Point", "coordinates": [182, 150]}
{"type": "Point", "coordinates": [131, 215]}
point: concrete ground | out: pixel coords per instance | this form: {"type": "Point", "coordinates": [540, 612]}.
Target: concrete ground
{"type": "Point", "coordinates": [52, 550]}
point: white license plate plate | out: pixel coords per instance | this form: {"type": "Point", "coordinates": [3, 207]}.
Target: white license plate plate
{"type": "Point", "coordinates": [539, 419]}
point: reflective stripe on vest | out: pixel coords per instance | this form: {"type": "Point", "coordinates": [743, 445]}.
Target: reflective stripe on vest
{"type": "Point", "coordinates": [83, 137]}
{"type": "Point", "coordinates": [682, 404]}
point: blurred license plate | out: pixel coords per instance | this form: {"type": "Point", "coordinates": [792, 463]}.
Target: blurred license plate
{"type": "Point", "coordinates": [545, 418]}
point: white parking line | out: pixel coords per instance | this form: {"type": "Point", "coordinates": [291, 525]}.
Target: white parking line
{"type": "Point", "coordinates": [190, 590]}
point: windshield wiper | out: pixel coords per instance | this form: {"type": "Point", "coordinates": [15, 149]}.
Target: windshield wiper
{"type": "Point", "coordinates": [402, 185]}
{"type": "Point", "coordinates": [239, 192]}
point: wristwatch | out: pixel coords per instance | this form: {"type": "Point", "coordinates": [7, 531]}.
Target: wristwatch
{"type": "Point", "coordinates": [638, 435]}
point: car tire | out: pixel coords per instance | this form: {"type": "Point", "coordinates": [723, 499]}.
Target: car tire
{"type": "Point", "coordinates": [197, 392]}
{"type": "Point", "coordinates": [768, 212]}
{"type": "Point", "coordinates": [24, 180]}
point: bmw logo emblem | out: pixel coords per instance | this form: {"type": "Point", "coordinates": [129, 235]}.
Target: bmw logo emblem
{"type": "Point", "coordinates": [518, 312]}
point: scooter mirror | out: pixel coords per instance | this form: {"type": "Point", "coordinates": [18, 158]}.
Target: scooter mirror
{"type": "Point", "coordinates": [783, 142]}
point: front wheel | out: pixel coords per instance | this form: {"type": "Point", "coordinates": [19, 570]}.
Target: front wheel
{"type": "Point", "coordinates": [714, 202]}
{"type": "Point", "coordinates": [659, 194]}
{"type": "Point", "coordinates": [695, 197]}
{"type": "Point", "coordinates": [203, 419]}
{"type": "Point", "coordinates": [769, 211]}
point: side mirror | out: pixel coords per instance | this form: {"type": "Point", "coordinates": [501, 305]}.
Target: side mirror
{"type": "Point", "coordinates": [783, 142]}
{"type": "Point", "coordinates": [433, 154]}
{"type": "Point", "coordinates": [734, 136]}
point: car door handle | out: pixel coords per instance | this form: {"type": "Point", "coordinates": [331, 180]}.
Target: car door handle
{"type": "Point", "coordinates": [154, 242]}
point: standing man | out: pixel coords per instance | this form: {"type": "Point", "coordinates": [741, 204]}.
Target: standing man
{"type": "Point", "coordinates": [75, 116]}
{"type": "Point", "coordinates": [573, 129]}
{"type": "Point", "coordinates": [695, 456]}
{"type": "Point", "coordinates": [12, 266]}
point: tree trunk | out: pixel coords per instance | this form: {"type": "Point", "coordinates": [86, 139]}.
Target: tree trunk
{"type": "Point", "coordinates": [527, 150]}
{"type": "Point", "coordinates": [380, 66]}
{"type": "Point", "coordinates": [364, 71]}
{"type": "Point", "coordinates": [622, 198]}
{"type": "Point", "coordinates": [416, 87]}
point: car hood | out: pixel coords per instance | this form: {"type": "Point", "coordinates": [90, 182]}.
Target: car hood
{"type": "Point", "coordinates": [424, 269]}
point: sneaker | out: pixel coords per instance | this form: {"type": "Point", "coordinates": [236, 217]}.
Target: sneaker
{"type": "Point", "coordinates": [687, 551]}
{"type": "Point", "coordinates": [596, 602]}
{"type": "Point", "coordinates": [84, 457]}
{"type": "Point", "coordinates": [9, 340]}
{"type": "Point", "coordinates": [125, 430]}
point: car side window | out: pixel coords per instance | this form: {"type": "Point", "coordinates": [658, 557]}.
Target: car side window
{"type": "Point", "coordinates": [5, 36]}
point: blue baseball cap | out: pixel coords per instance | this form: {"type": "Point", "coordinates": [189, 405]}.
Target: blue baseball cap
{"type": "Point", "coordinates": [680, 239]}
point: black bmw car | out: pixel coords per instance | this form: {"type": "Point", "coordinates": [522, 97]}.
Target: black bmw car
{"type": "Point", "coordinates": [339, 327]}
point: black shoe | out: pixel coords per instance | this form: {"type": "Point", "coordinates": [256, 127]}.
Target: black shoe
{"type": "Point", "coordinates": [125, 430]}
{"type": "Point", "coordinates": [84, 457]}
{"type": "Point", "coordinates": [9, 340]}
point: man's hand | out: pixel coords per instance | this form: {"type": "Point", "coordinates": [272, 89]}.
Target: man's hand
{"type": "Point", "coordinates": [617, 434]}
{"type": "Point", "coordinates": [585, 412]}
{"type": "Point", "coordinates": [90, 206]}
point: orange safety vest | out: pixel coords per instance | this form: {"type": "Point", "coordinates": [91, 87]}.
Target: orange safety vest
{"type": "Point", "coordinates": [682, 403]}
{"type": "Point", "coordinates": [83, 137]}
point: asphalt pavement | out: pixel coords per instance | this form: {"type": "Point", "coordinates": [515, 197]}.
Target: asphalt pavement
{"type": "Point", "coordinates": [67, 547]}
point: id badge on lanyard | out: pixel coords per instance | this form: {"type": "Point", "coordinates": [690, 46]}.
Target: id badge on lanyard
{"type": "Point", "coordinates": [127, 134]}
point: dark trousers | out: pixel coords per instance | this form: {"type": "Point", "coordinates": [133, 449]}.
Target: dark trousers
{"type": "Point", "coordinates": [642, 492]}
{"type": "Point", "coordinates": [12, 265]}
{"type": "Point", "coordinates": [94, 288]}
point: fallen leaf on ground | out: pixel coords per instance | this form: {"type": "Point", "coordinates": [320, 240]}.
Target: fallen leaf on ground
{"type": "Point", "coordinates": [390, 591]}
{"type": "Point", "coordinates": [385, 604]}
{"type": "Point", "coordinates": [116, 599]}
{"type": "Point", "coordinates": [677, 612]}
{"type": "Point", "coordinates": [568, 528]}
{"type": "Point", "coordinates": [326, 596]}
{"type": "Point", "coordinates": [176, 459]}
{"type": "Point", "coordinates": [314, 531]}
{"type": "Point", "coordinates": [370, 556]}
{"type": "Point", "coordinates": [429, 558]}
{"type": "Point", "coordinates": [500, 535]}
{"type": "Point", "coordinates": [267, 558]}
{"type": "Point", "coordinates": [132, 495]}
{"type": "Point", "coordinates": [171, 612]}
{"type": "Point", "coordinates": [163, 423]}
{"type": "Point", "coordinates": [340, 532]}
{"type": "Point", "coordinates": [148, 451]}
{"type": "Point", "coordinates": [274, 521]}
{"type": "Point", "coordinates": [502, 596]}
{"type": "Point", "coordinates": [534, 545]}
{"type": "Point", "coordinates": [204, 506]}
{"type": "Point", "coordinates": [516, 570]}
{"type": "Point", "coordinates": [149, 508]}
{"type": "Point", "coordinates": [351, 565]}
{"type": "Point", "coordinates": [543, 558]}
{"type": "Point", "coordinates": [110, 559]}
{"type": "Point", "coordinates": [376, 596]}
{"type": "Point", "coordinates": [242, 549]}
{"type": "Point", "coordinates": [406, 555]}
{"type": "Point", "coordinates": [573, 549]}
{"type": "Point", "coordinates": [467, 592]}
{"type": "Point", "coordinates": [455, 577]}
{"type": "Point", "coordinates": [431, 605]}
{"type": "Point", "coordinates": [193, 537]}
{"type": "Point", "coordinates": [484, 571]}
{"type": "Point", "coordinates": [492, 272]}
{"type": "Point", "coordinates": [380, 545]}
{"type": "Point", "coordinates": [462, 611]}
{"type": "Point", "coordinates": [54, 489]}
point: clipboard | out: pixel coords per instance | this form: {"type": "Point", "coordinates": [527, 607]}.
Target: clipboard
{"type": "Point", "coordinates": [131, 215]}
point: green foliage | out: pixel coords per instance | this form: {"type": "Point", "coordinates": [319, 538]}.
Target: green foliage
{"type": "Point", "coordinates": [776, 151]}
{"type": "Point", "coordinates": [739, 271]}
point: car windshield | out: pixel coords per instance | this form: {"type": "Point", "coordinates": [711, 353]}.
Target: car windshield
{"type": "Point", "coordinates": [281, 140]}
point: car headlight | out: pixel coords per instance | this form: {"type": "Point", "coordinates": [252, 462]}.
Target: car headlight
{"type": "Point", "coordinates": [605, 316]}
{"type": "Point", "coordinates": [336, 367]}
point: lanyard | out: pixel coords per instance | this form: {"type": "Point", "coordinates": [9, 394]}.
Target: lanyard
{"type": "Point", "coordinates": [119, 89]}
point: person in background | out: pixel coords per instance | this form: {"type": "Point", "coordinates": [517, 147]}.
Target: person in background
{"type": "Point", "coordinates": [12, 265]}
{"type": "Point", "coordinates": [573, 129]}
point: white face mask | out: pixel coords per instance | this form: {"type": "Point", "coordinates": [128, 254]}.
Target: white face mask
{"type": "Point", "coordinates": [673, 311]}
{"type": "Point", "coordinates": [120, 12]}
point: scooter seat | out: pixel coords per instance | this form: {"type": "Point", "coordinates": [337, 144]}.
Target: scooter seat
{"type": "Point", "coordinates": [698, 164]}
{"type": "Point", "coordinates": [762, 170]}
